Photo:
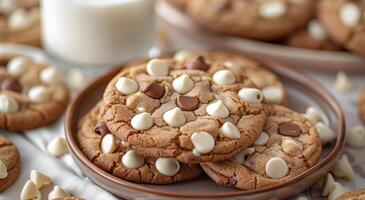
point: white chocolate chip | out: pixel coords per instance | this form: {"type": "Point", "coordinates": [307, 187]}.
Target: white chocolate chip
{"type": "Point", "coordinates": [183, 84]}
{"type": "Point", "coordinates": [157, 67]}
{"type": "Point", "coordinates": [21, 19]}
{"type": "Point", "coordinates": [50, 75]}
{"type": "Point", "coordinates": [276, 168]}
{"type": "Point", "coordinates": [40, 179]}
{"type": "Point", "coordinates": [302, 198]}
{"type": "Point", "coordinates": [7, 6]}
{"type": "Point", "coordinates": [310, 118]}
{"type": "Point", "coordinates": [241, 156]}
{"type": "Point", "coordinates": [343, 168]}
{"type": "Point", "coordinates": [313, 113]}
{"type": "Point", "coordinates": [316, 30]}
{"type": "Point", "coordinates": [168, 166]}
{"type": "Point", "coordinates": [30, 192]}
{"type": "Point", "coordinates": [203, 142]}
{"type": "Point", "coordinates": [262, 139]}
{"type": "Point", "coordinates": [273, 94]}
{"type": "Point", "coordinates": [337, 191]}
{"type": "Point", "coordinates": [290, 146]}
{"type": "Point", "coordinates": [108, 144]}
{"type": "Point", "coordinates": [325, 133]}
{"type": "Point", "coordinates": [328, 185]}
{"type": "Point", "coordinates": [3, 170]}
{"type": "Point", "coordinates": [142, 121]}
{"type": "Point", "coordinates": [39, 94]}
{"type": "Point", "coordinates": [58, 192]}
{"type": "Point", "coordinates": [8, 104]}
{"type": "Point", "coordinates": [350, 14]}
{"type": "Point", "coordinates": [217, 109]}
{"type": "Point", "coordinates": [251, 95]}
{"type": "Point", "coordinates": [343, 82]}
{"type": "Point", "coordinates": [184, 55]}
{"type": "Point", "coordinates": [230, 131]}
{"type": "Point", "coordinates": [356, 137]}
{"type": "Point", "coordinates": [18, 65]}
{"type": "Point", "coordinates": [132, 160]}
{"type": "Point", "coordinates": [57, 147]}
{"type": "Point", "coordinates": [224, 77]}
{"type": "Point", "coordinates": [174, 117]}
{"type": "Point", "coordinates": [126, 86]}
{"type": "Point", "coordinates": [76, 79]}
{"type": "Point", "coordinates": [272, 9]}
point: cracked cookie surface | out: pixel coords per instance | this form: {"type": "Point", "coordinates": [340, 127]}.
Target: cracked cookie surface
{"type": "Point", "coordinates": [32, 94]}
{"type": "Point", "coordinates": [90, 143]}
{"type": "Point", "coordinates": [344, 21]}
{"type": "Point", "coordinates": [362, 105]}
{"type": "Point", "coordinates": [9, 156]}
{"type": "Point", "coordinates": [262, 20]}
{"type": "Point", "coordinates": [291, 146]}
{"type": "Point", "coordinates": [198, 85]}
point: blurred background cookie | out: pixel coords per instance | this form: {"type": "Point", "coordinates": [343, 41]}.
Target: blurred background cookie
{"type": "Point", "coordinates": [9, 163]}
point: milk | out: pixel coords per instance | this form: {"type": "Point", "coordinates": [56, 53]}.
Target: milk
{"type": "Point", "coordinates": [97, 32]}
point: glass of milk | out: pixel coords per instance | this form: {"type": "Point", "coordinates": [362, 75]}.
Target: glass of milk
{"type": "Point", "coordinates": [97, 32]}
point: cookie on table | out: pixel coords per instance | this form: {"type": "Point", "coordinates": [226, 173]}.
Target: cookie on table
{"type": "Point", "coordinates": [362, 105]}
{"type": "Point", "coordinates": [314, 36]}
{"type": "Point", "coordinates": [273, 89]}
{"type": "Point", "coordinates": [263, 19]}
{"type": "Point", "coordinates": [9, 163]}
{"type": "Point", "coordinates": [354, 195]}
{"type": "Point", "coordinates": [124, 163]}
{"type": "Point", "coordinates": [20, 22]}
{"type": "Point", "coordinates": [31, 94]}
{"type": "Point", "coordinates": [167, 108]}
{"type": "Point", "coordinates": [288, 145]}
{"type": "Point", "coordinates": [344, 21]}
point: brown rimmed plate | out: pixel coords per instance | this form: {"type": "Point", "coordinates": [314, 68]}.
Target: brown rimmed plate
{"type": "Point", "coordinates": [303, 92]}
{"type": "Point", "coordinates": [178, 31]}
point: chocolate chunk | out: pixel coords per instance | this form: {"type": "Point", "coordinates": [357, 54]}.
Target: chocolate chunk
{"type": "Point", "coordinates": [154, 90]}
{"type": "Point", "coordinates": [290, 129]}
{"type": "Point", "coordinates": [11, 84]}
{"type": "Point", "coordinates": [199, 64]}
{"type": "Point", "coordinates": [187, 103]}
{"type": "Point", "coordinates": [102, 129]}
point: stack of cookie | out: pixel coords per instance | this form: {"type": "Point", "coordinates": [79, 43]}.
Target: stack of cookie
{"type": "Point", "coordinates": [323, 24]}
{"type": "Point", "coordinates": [164, 120]}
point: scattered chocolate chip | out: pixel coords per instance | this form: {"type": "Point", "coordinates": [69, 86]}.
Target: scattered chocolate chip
{"type": "Point", "coordinates": [154, 90]}
{"type": "Point", "coordinates": [289, 129]}
{"type": "Point", "coordinates": [199, 64]}
{"type": "Point", "coordinates": [11, 84]}
{"type": "Point", "coordinates": [187, 103]}
{"type": "Point", "coordinates": [102, 129]}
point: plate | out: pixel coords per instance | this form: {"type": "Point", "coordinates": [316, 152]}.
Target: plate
{"type": "Point", "coordinates": [178, 31]}
{"type": "Point", "coordinates": [303, 92]}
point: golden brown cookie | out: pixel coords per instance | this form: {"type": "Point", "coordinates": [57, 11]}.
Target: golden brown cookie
{"type": "Point", "coordinates": [362, 105]}
{"type": "Point", "coordinates": [9, 163]}
{"type": "Point", "coordinates": [173, 108]}
{"type": "Point", "coordinates": [262, 19]}
{"type": "Point", "coordinates": [288, 145]}
{"type": "Point", "coordinates": [273, 89]}
{"type": "Point", "coordinates": [31, 94]}
{"type": "Point", "coordinates": [69, 198]}
{"type": "Point", "coordinates": [344, 21]}
{"type": "Point", "coordinates": [125, 163]}
{"type": "Point", "coordinates": [354, 195]}
{"type": "Point", "coordinates": [20, 22]}
{"type": "Point", "coordinates": [314, 36]}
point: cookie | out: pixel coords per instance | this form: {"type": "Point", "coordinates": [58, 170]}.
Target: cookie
{"type": "Point", "coordinates": [9, 163]}
{"type": "Point", "coordinates": [314, 36]}
{"type": "Point", "coordinates": [354, 195]}
{"type": "Point", "coordinates": [261, 20]}
{"type": "Point", "coordinates": [31, 94]}
{"type": "Point", "coordinates": [362, 105]}
{"type": "Point", "coordinates": [272, 88]}
{"type": "Point", "coordinates": [288, 145]}
{"type": "Point", "coordinates": [125, 163]}
{"type": "Point", "coordinates": [178, 3]}
{"type": "Point", "coordinates": [343, 20]}
{"type": "Point", "coordinates": [69, 198]}
{"type": "Point", "coordinates": [20, 22]}
{"type": "Point", "coordinates": [176, 109]}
